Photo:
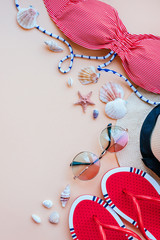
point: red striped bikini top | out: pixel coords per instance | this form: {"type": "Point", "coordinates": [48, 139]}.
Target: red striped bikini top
{"type": "Point", "coordinates": [96, 25]}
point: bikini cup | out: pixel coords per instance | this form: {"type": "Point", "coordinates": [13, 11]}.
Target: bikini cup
{"type": "Point", "coordinates": [96, 25]}
{"type": "Point", "coordinates": [145, 141]}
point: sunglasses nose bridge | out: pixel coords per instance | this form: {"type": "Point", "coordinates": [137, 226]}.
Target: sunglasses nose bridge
{"type": "Point", "coordinates": [102, 154]}
{"type": "Point", "coordinates": [112, 139]}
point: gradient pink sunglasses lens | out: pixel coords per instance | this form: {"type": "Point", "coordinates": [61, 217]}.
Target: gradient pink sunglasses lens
{"type": "Point", "coordinates": [118, 138]}
{"type": "Point", "coordinates": [85, 166]}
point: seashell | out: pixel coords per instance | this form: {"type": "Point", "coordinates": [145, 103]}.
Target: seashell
{"type": "Point", "coordinates": [95, 113]}
{"type": "Point", "coordinates": [88, 75]}
{"type": "Point", "coordinates": [36, 218]}
{"type": "Point", "coordinates": [54, 217]}
{"type": "Point", "coordinates": [27, 17]}
{"type": "Point", "coordinates": [65, 195]}
{"type": "Point", "coordinates": [112, 94]}
{"type": "Point", "coordinates": [53, 46]}
{"type": "Point", "coordinates": [116, 109]}
{"type": "Point", "coordinates": [70, 82]}
{"type": "Point", "coordinates": [111, 91]}
{"type": "Point", "coordinates": [47, 203]}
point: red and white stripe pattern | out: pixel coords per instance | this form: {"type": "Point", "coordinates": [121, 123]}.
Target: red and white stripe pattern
{"type": "Point", "coordinates": [73, 234]}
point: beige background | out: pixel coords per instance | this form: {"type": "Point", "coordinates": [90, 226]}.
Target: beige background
{"type": "Point", "coordinates": [40, 128]}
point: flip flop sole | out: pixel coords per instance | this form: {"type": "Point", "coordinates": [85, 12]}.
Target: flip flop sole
{"type": "Point", "coordinates": [137, 182]}
{"type": "Point", "coordinates": [82, 225]}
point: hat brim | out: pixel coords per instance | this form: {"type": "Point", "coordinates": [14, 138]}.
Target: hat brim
{"type": "Point", "coordinates": [137, 112]}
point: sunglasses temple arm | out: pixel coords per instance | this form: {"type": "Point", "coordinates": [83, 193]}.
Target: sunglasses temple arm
{"type": "Point", "coordinates": [109, 143]}
{"type": "Point", "coordinates": [89, 164]}
{"type": "Point", "coordinates": [86, 168]}
{"type": "Point", "coordinates": [109, 135]}
{"type": "Point", "coordinates": [81, 173]}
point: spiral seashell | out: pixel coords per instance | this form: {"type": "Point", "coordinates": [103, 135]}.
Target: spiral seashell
{"type": "Point", "coordinates": [65, 195]}
{"type": "Point", "coordinates": [88, 75]}
{"type": "Point", "coordinates": [116, 109]}
{"type": "Point", "coordinates": [54, 217]}
{"type": "Point", "coordinates": [36, 218]}
{"type": "Point", "coordinates": [53, 46]}
{"type": "Point", "coordinates": [47, 203]}
{"type": "Point", "coordinates": [26, 17]}
{"type": "Point", "coordinates": [70, 82]}
{"type": "Point", "coordinates": [111, 91]}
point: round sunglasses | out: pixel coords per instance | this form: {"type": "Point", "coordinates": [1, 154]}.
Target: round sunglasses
{"type": "Point", "coordinates": [86, 165]}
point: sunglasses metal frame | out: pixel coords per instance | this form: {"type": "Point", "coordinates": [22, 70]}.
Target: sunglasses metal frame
{"type": "Point", "coordinates": [74, 163]}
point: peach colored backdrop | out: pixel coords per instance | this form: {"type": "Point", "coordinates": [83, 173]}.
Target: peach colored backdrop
{"type": "Point", "coordinates": [40, 128]}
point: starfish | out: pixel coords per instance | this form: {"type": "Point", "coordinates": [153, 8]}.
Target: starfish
{"type": "Point", "coordinates": [84, 101]}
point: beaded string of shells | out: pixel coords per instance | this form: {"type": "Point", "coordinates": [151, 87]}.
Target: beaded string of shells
{"type": "Point", "coordinates": [30, 15]}
{"type": "Point", "coordinates": [30, 20]}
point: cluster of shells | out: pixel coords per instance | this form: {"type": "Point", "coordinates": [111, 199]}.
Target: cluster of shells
{"type": "Point", "coordinates": [54, 216]}
{"type": "Point", "coordinates": [112, 94]}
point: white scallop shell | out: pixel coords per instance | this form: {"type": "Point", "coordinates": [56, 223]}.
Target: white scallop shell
{"type": "Point", "coordinates": [70, 82]}
{"type": "Point", "coordinates": [53, 46]}
{"type": "Point", "coordinates": [116, 109]}
{"type": "Point", "coordinates": [111, 91]}
{"type": "Point", "coordinates": [47, 203]}
{"type": "Point", "coordinates": [88, 75]}
{"type": "Point", "coordinates": [36, 218]}
{"type": "Point", "coordinates": [54, 217]}
{"type": "Point", "coordinates": [65, 195]}
{"type": "Point", "coordinates": [27, 17]}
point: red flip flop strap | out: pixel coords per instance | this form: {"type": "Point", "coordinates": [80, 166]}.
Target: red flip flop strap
{"type": "Point", "coordinates": [102, 232]}
{"type": "Point", "coordinates": [139, 218]}
{"type": "Point", "coordinates": [143, 197]}
{"type": "Point", "coordinates": [116, 228]}
{"type": "Point", "coordinates": [138, 210]}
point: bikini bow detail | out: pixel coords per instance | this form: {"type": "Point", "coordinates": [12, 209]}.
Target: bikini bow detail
{"type": "Point", "coordinates": [123, 43]}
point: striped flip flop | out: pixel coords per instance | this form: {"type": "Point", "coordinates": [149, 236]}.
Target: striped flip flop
{"type": "Point", "coordinates": [135, 196]}
{"type": "Point", "coordinates": [91, 218]}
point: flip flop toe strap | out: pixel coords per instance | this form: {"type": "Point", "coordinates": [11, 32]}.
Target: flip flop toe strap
{"type": "Point", "coordinates": [103, 226]}
{"type": "Point", "coordinates": [135, 199]}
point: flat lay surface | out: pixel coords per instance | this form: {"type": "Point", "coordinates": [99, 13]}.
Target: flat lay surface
{"type": "Point", "coordinates": [41, 130]}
